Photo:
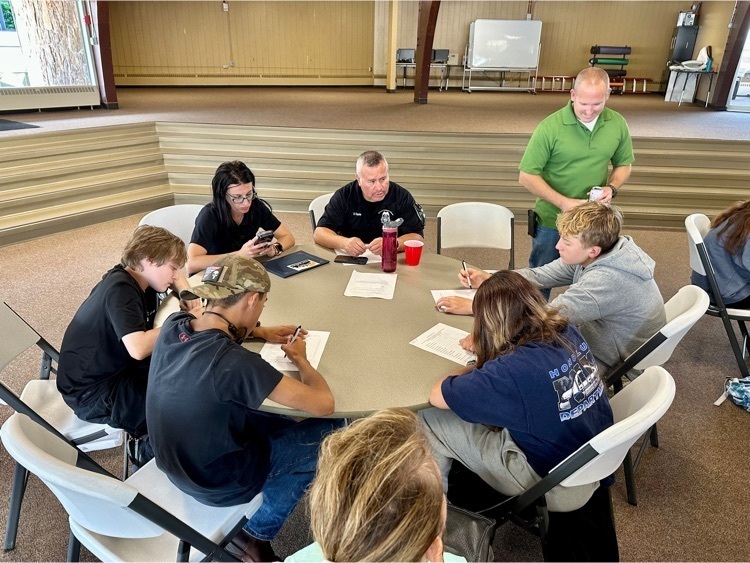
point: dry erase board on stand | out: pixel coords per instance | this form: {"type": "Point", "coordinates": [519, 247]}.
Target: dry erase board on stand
{"type": "Point", "coordinates": [504, 44]}
{"type": "Point", "coordinates": [509, 48]}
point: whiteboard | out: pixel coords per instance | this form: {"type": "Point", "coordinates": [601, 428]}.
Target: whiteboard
{"type": "Point", "coordinates": [506, 44]}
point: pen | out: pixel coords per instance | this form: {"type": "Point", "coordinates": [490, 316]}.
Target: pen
{"type": "Point", "coordinates": [296, 333]}
{"type": "Point", "coordinates": [294, 336]}
{"type": "Point", "coordinates": [468, 277]}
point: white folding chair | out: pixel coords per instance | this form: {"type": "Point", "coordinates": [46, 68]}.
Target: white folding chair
{"type": "Point", "coordinates": [177, 219]}
{"type": "Point", "coordinates": [683, 310]}
{"type": "Point", "coordinates": [476, 224]}
{"type": "Point", "coordinates": [145, 518]}
{"type": "Point", "coordinates": [42, 396]}
{"type": "Point", "coordinates": [697, 226]}
{"type": "Point", "coordinates": [636, 409]}
{"type": "Point", "coordinates": [317, 207]}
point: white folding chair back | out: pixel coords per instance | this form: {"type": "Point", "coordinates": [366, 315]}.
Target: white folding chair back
{"type": "Point", "coordinates": [317, 207]}
{"type": "Point", "coordinates": [697, 226]}
{"type": "Point", "coordinates": [636, 409]}
{"type": "Point", "coordinates": [476, 224]}
{"type": "Point", "coordinates": [99, 505]}
{"type": "Point", "coordinates": [685, 309]}
{"type": "Point", "coordinates": [177, 219]}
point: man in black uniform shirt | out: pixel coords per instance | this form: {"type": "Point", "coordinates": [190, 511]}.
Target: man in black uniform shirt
{"type": "Point", "coordinates": [352, 219]}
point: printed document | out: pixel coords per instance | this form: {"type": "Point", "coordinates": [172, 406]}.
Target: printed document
{"type": "Point", "coordinates": [316, 342]}
{"type": "Point", "coordinates": [437, 294]}
{"type": "Point", "coordinates": [443, 340]}
{"type": "Point", "coordinates": [363, 284]}
{"type": "Point", "coordinates": [371, 258]}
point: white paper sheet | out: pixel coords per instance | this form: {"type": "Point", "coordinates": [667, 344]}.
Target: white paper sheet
{"type": "Point", "coordinates": [316, 342]}
{"type": "Point", "coordinates": [443, 340]}
{"type": "Point", "coordinates": [381, 286]}
{"type": "Point", "coordinates": [437, 294]}
{"type": "Point", "coordinates": [371, 258]}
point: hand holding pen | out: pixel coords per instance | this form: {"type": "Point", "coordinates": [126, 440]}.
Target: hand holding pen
{"type": "Point", "coordinates": [288, 347]}
{"type": "Point", "coordinates": [466, 274]}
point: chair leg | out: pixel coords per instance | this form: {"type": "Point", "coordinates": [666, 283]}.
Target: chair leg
{"type": "Point", "coordinates": [74, 548]}
{"type": "Point", "coordinates": [627, 466]}
{"type": "Point", "coordinates": [183, 551]}
{"type": "Point", "coordinates": [20, 477]}
{"type": "Point", "coordinates": [125, 460]}
{"type": "Point", "coordinates": [738, 353]}
{"type": "Point", "coordinates": [654, 436]}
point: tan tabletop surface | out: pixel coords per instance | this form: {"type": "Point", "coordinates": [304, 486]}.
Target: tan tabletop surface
{"type": "Point", "coordinates": [368, 361]}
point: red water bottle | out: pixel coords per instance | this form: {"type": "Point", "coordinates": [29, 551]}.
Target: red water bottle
{"type": "Point", "coordinates": [390, 248]}
{"type": "Point", "coordinates": [389, 251]}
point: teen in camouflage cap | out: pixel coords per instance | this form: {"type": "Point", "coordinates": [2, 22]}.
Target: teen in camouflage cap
{"type": "Point", "coordinates": [230, 275]}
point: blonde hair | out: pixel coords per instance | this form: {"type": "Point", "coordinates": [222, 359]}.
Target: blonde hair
{"type": "Point", "coordinates": [155, 244]}
{"type": "Point", "coordinates": [596, 223]}
{"type": "Point", "coordinates": [510, 312]}
{"type": "Point", "coordinates": [378, 493]}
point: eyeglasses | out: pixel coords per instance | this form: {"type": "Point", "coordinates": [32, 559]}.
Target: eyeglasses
{"type": "Point", "coordinates": [241, 198]}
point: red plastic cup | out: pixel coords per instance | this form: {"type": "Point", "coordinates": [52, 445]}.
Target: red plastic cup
{"type": "Point", "coordinates": [413, 250]}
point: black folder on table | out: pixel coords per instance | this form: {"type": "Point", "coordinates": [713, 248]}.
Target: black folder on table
{"type": "Point", "coordinates": [294, 263]}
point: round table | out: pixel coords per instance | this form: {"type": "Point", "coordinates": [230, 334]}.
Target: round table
{"type": "Point", "coordinates": [368, 361]}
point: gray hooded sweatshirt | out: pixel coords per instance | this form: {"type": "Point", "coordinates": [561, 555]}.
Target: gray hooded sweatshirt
{"type": "Point", "coordinates": [614, 301]}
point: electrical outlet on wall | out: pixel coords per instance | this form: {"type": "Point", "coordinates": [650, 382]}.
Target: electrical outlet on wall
{"type": "Point", "coordinates": [225, 6]}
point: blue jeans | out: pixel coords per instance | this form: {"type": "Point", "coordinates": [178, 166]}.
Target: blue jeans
{"type": "Point", "coordinates": [543, 250]}
{"type": "Point", "coordinates": [294, 457]}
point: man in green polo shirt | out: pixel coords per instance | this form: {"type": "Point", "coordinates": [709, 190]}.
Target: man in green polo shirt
{"type": "Point", "coordinates": [569, 153]}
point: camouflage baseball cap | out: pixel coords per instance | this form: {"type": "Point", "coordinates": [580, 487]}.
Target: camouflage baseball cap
{"type": "Point", "coordinates": [227, 276]}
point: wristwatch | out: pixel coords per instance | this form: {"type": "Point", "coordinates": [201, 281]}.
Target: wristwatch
{"type": "Point", "coordinates": [280, 249]}
{"type": "Point", "coordinates": [614, 190]}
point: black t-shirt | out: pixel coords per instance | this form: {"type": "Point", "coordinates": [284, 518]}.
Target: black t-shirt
{"type": "Point", "coordinates": [202, 393]}
{"type": "Point", "coordinates": [349, 214]}
{"type": "Point", "coordinates": [92, 355]}
{"type": "Point", "coordinates": [216, 238]}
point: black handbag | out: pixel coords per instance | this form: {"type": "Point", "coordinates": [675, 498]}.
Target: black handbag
{"type": "Point", "coordinates": [469, 534]}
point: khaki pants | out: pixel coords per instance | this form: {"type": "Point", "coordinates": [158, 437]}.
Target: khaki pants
{"type": "Point", "coordinates": [494, 456]}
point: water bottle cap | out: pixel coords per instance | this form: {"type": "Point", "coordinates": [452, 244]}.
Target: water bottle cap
{"type": "Point", "coordinates": [385, 218]}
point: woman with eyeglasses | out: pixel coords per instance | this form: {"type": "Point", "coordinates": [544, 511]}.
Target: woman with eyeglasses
{"type": "Point", "coordinates": [231, 222]}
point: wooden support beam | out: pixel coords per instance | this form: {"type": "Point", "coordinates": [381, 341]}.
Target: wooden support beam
{"type": "Point", "coordinates": [428, 13]}
{"type": "Point", "coordinates": [390, 74]}
{"type": "Point", "coordinates": [103, 54]}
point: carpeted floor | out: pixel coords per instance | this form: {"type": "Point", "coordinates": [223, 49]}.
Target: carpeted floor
{"type": "Point", "coordinates": [693, 489]}
{"type": "Point", "coordinates": [7, 125]}
{"type": "Point", "coordinates": [648, 115]}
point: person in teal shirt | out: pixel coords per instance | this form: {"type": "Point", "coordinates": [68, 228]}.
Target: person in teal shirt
{"type": "Point", "coordinates": [377, 495]}
{"type": "Point", "coordinates": [569, 153]}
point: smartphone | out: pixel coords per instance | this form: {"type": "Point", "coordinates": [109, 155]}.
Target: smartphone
{"type": "Point", "coordinates": [595, 192]}
{"type": "Point", "coordinates": [343, 259]}
{"type": "Point", "coordinates": [264, 236]}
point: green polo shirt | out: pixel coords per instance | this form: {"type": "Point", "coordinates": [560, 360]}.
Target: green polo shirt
{"type": "Point", "coordinates": [572, 159]}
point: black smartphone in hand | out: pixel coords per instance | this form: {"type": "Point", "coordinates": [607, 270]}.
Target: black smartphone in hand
{"type": "Point", "coordinates": [264, 236]}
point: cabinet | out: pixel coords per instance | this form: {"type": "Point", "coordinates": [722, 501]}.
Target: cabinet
{"type": "Point", "coordinates": [683, 43]}
{"type": "Point", "coordinates": [681, 49]}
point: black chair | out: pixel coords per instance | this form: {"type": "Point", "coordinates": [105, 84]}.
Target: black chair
{"type": "Point", "coordinates": [697, 226]}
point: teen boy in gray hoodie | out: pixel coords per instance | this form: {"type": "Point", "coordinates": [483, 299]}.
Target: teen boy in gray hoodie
{"type": "Point", "coordinates": [613, 298]}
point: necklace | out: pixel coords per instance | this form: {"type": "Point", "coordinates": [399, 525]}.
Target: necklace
{"type": "Point", "coordinates": [237, 334]}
